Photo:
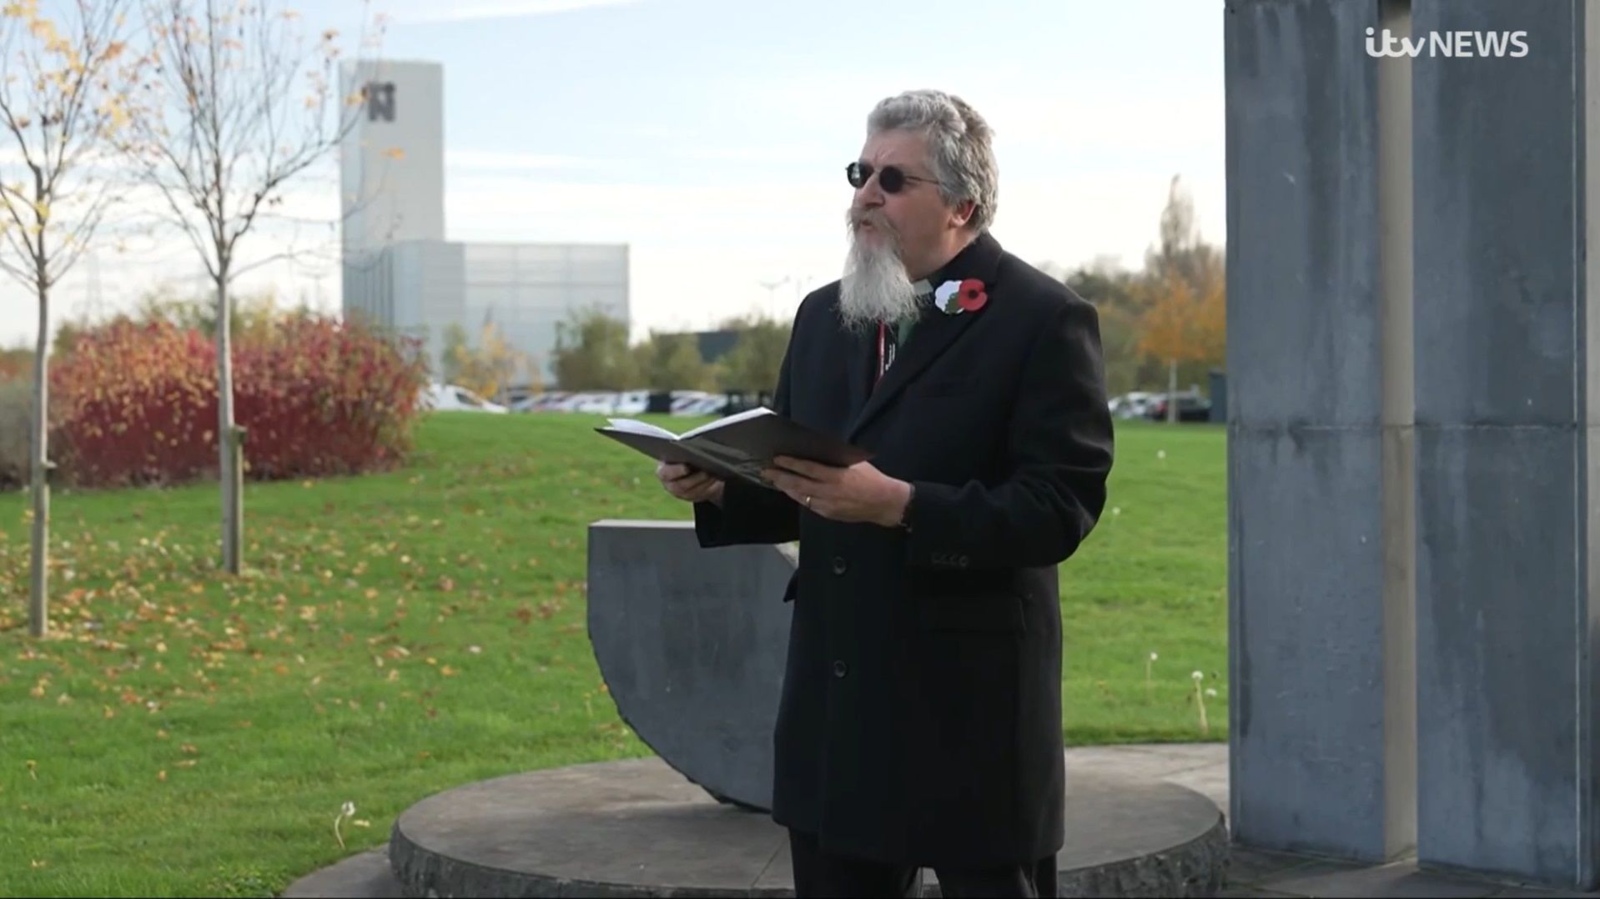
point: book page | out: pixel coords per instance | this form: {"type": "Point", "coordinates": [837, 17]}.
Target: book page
{"type": "Point", "coordinates": [757, 412]}
{"type": "Point", "coordinates": [640, 427]}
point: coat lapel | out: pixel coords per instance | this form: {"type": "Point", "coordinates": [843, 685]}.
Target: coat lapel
{"type": "Point", "coordinates": [934, 332]}
{"type": "Point", "coordinates": [862, 351]}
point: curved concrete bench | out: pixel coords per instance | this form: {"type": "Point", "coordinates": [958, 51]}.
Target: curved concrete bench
{"type": "Point", "coordinates": [691, 643]}
{"type": "Point", "coordinates": [635, 829]}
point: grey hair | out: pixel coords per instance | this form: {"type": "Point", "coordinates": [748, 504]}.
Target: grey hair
{"type": "Point", "coordinates": [959, 142]}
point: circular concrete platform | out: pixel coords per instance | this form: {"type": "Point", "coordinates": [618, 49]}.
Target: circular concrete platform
{"type": "Point", "coordinates": [638, 828]}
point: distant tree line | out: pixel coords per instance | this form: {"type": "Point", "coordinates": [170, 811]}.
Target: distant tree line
{"type": "Point", "coordinates": [594, 352]}
{"type": "Point", "coordinates": [1163, 327]}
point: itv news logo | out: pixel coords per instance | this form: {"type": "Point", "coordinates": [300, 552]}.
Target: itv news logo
{"type": "Point", "coordinates": [1457, 44]}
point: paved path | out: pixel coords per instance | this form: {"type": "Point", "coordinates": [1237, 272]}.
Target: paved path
{"type": "Point", "coordinates": [1202, 767]}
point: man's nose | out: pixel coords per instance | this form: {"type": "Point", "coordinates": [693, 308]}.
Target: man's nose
{"type": "Point", "coordinates": [870, 194]}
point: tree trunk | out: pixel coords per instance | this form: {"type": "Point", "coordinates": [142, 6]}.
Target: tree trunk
{"type": "Point", "coordinates": [227, 438]}
{"type": "Point", "coordinates": [1172, 392]}
{"type": "Point", "coordinates": [39, 481]}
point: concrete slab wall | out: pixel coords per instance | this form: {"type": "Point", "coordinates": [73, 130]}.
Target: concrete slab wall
{"type": "Point", "coordinates": [1318, 754]}
{"type": "Point", "coordinates": [691, 643]}
{"type": "Point", "coordinates": [1506, 700]}
{"type": "Point", "coordinates": [1412, 526]}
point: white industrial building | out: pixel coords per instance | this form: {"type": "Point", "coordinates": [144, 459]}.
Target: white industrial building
{"type": "Point", "coordinates": [400, 271]}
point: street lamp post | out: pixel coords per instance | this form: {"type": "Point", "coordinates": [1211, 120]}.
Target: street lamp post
{"type": "Point", "coordinates": [772, 293]}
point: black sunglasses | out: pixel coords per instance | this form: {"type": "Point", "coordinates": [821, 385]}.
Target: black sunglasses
{"type": "Point", "coordinates": [891, 178]}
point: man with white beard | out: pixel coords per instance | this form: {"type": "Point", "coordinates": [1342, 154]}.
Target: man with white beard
{"type": "Point", "coordinates": [920, 719]}
{"type": "Point", "coordinates": [875, 286]}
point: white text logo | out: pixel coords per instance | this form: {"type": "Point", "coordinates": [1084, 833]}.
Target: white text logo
{"type": "Point", "coordinates": [1464, 44]}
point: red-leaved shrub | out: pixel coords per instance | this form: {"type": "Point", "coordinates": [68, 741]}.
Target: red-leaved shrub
{"type": "Point", "coordinates": [136, 403]}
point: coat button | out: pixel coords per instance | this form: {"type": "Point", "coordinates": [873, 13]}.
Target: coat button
{"type": "Point", "coordinates": [840, 668]}
{"type": "Point", "coordinates": [838, 565]}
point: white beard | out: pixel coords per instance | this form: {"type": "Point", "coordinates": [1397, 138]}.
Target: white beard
{"type": "Point", "coordinates": [875, 287]}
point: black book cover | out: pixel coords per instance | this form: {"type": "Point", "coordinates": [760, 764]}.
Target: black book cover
{"type": "Point", "coordinates": [737, 447]}
{"type": "Point", "coordinates": [664, 449]}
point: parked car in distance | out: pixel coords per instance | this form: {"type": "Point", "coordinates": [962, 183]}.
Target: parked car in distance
{"type": "Point", "coordinates": [451, 398]}
{"type": "Point", "coordinates": [634, 402]}
{"type": "Point", "coordinates": [1133, 404]}
{"type": "Point", "coordinates": [1191, 407]}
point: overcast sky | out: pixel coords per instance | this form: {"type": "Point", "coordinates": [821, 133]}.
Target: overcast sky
{"type": "Point", "coordinates": [711, 136]}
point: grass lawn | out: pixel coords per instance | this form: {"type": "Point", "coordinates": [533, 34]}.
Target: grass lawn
{"type": "Point", "coordinates": [399, 635]}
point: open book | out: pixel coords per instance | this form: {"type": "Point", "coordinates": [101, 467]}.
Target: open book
{"type": "Point", "coordinates": [737, 447]}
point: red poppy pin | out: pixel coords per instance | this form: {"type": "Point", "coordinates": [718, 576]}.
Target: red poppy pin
{"type": "Point", "coordinates": [956, 297]}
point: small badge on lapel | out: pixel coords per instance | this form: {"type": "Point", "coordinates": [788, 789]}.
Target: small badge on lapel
{"type": "Point", "coordinates": [956, 297]}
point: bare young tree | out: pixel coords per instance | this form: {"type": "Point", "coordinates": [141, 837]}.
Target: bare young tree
{"type": "Point", "coordinates": [250, 102]}
{"type": "Point", "coordinates": [65, 80]}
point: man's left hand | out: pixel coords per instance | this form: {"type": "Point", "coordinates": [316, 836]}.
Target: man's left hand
{"type": "Point", "coordinates": [858, 493]}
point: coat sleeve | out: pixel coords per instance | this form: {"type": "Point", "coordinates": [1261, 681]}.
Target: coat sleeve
{"type": "Point", "coordinates": [1060, 446]}
{"type": "Point", "coordinates": [751, 514]}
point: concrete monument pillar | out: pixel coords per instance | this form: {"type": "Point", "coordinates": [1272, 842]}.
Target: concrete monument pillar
{"type": "Point", "coordinates": [1321, 606]}
{"type": "Point", "coordinates": [1505, 408]}
{"type": "Point", "coordinates": [1412, 526]}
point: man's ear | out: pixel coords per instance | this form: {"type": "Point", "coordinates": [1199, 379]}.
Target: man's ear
{"type": "Point", "coordinates": [961, 214]}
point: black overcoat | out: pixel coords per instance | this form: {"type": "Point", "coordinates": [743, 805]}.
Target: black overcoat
{"type": "Point", "coordinates": [920, 719]}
